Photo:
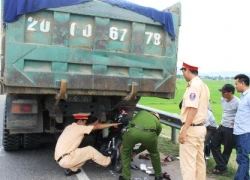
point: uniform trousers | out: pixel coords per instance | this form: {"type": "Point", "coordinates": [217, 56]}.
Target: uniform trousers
{"type": "Point", "coordinates": [78, 157]}
{"type": "Point", "coordinates": [192, 162]}
{"type": "Point", "coordinates": [148, 142]}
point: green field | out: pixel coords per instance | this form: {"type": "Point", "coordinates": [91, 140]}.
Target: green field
{"type": "Point", "coordinates": [172, 105]}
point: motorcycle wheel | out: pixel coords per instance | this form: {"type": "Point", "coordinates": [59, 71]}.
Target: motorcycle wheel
{"type": "Point", "coordinates": [103, 149]}
{"type": "Point", "coordinates": [118, 161]}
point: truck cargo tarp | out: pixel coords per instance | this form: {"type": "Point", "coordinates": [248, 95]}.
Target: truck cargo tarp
{"type": "Point", "coordinates": [14, 8]}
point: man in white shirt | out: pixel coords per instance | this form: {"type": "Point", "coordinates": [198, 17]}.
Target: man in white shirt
{"type": "Point", "coordinates": [224, 133]}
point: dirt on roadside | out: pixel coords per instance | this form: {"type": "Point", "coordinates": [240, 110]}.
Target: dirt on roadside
{"type": "Point", "coordinates": [172, 168]}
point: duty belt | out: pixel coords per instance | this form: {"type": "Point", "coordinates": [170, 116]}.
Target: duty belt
{"type": "Point", "coordinates": [201, 124]}
{"type": "Point", "coordinates": [142, 129]}
{"type": "Point", "coordinates": [60, 158]}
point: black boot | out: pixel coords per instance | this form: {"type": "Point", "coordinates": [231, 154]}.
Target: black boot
{"type": "Point", "coordinates": [69, 172]}
{"type": "Point", "coordinates": [159, 178]}
{"type": "Point", "coordinates": [121, 178]}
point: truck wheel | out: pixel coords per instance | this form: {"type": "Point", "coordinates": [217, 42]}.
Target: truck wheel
{"type": "Point", "coordinates": [118, 160]}
{"type": "Point", "coordinates": [11, 142]}
{"type": "Point", "coordinates": [31, 141]}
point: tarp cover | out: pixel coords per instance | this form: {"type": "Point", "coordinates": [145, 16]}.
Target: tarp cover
{"type": "Point", "coordinates": [14, 8]}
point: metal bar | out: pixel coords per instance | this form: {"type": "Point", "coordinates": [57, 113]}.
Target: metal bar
{"type": "Point", "coordinates": [174, 135]}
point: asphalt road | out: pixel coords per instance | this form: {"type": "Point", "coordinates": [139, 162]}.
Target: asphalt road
{"type": "Point", "coordinates": [40, 165]}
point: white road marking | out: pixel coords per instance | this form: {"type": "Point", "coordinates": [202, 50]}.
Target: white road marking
{"type": "Point", "coordinates": [2, 153]}
{"type": "Point", "coordinates": [82, 175]}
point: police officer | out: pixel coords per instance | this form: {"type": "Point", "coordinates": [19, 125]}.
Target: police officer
{"type": "Point", "coordinates": [68, 155]}
{"type": "Point", "coordinates": [194, 113]}
{"type": "Point", "coordinates": [144, 128]}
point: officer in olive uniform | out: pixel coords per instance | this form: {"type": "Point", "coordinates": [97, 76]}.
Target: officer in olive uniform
{"type": "Point", "coordinates": [144, 128]}
{"type": "Point", "coordinates": [68, 155]}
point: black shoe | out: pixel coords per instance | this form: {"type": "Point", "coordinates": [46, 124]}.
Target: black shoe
{"type": "Point", "coordinates": [159, 178]}
{"type": "Point", "coordinates": [69, 172]}
{"type": "Point", "coordinates": [121, 178]}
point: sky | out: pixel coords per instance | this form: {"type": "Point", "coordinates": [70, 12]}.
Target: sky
{"type": "Point", "coordinates": [215, 34]}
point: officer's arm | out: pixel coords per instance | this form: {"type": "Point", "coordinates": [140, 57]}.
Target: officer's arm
{"type": "Point", "coordinates": [158, 127]}
{"type": "Point", "coordinates": [190, 117]}
{"type": "Point", "coordinates": [103, 126]}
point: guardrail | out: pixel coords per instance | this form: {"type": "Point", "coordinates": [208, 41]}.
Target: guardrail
{"type": "Point", "coordinates": [169, 119]}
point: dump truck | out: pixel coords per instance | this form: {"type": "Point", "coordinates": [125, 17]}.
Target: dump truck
{"type": "Point", "coordinates": [61, 58]}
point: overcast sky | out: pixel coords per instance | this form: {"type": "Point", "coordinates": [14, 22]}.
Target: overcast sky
{"type": "Point", "coordinates": [216, 33]}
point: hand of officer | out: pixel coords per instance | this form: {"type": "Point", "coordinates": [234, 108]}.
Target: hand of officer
{"type": "Point", "coordinates": [182, 137]}
{"type": "Point", "coordinates": [116, 125]}
{"type": "Point", "coordinates": [124, 120]}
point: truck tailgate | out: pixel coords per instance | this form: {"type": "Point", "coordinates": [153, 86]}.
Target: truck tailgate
{"type": "Point", "coordinates": [96, 47]}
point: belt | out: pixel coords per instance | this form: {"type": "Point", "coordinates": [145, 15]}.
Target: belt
{"type": "Point", "coordinates": [142, 129]}
{"type": "Point", "coordinates": [60, 158]}
{"type": "Point", "coordinates": [226, 129]}
{"type": "Point", "coordinates": [211, 128]}
{"type": "Point", "coordinates": [201, 124]}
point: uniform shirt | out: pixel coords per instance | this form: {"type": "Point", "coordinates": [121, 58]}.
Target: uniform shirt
{"type": "Point", "coordinates": [210, 121]}
{"type": "Point", "coordinates": [147, 120]}
{"type": "Point", "coordinates": [71, 138]}
{"type": "Point", "coordinates": [229, 111]}
{"type": "Point", "coordinates": [242, 118]}
{"type": "Point", "coordinates": [196, 96]}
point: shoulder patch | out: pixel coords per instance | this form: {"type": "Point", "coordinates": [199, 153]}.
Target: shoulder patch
{"type": "Point", "coordinates": [192, 96]}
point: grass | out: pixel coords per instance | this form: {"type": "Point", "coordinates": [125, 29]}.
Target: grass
{"type": "Point", "coordinates": [231, 168]}
{"type": "Point", "coordinates": [166, 146]}
{"type": "Point", "coordinates": [171, 105]}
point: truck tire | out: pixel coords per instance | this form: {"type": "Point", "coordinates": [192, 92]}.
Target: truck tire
{"type": "Point", "coordinates": [118, 161]}
{"type": "Point", "coordinates": [11, 142]}
{"type": "Point", "coordinates": [31, 141]}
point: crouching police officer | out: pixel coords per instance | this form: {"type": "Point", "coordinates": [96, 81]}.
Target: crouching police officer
{"type": "Point", "coordinates": [144, 128]}
{"type": "Point", "coordinates": [68, 155]}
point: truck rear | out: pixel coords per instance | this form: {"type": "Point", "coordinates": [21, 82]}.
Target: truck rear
{"type": "Point", "coordinates": [95, 56]}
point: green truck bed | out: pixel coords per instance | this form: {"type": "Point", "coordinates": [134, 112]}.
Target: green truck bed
{"type": "Point", "coordinates": [99, 49]}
